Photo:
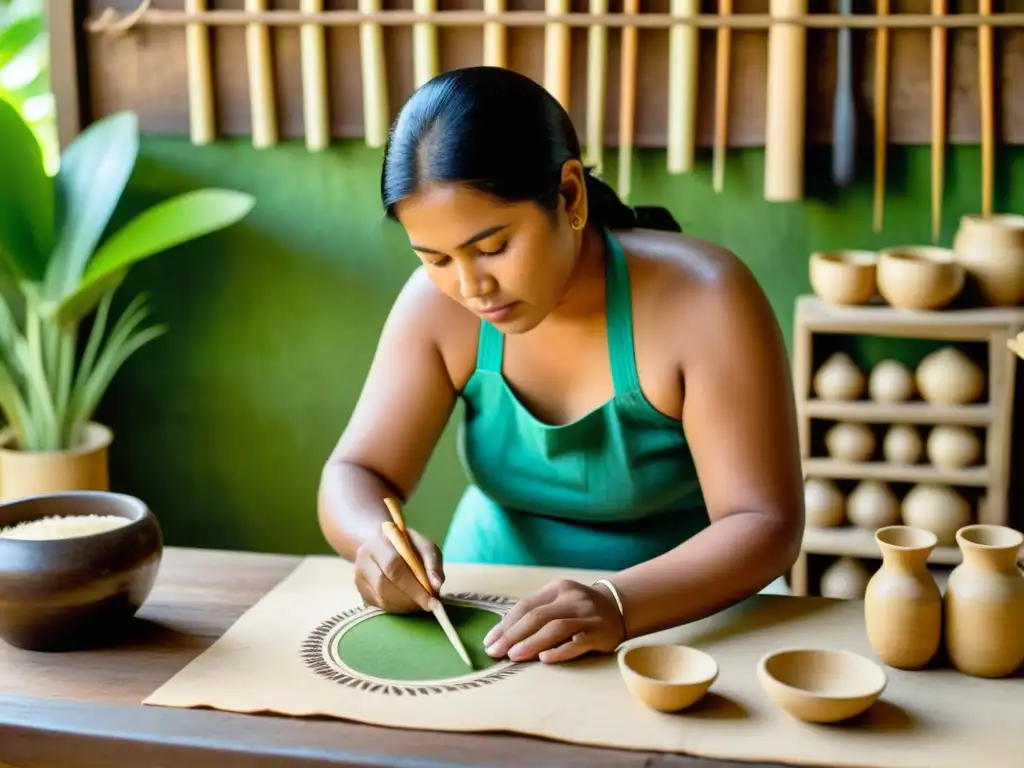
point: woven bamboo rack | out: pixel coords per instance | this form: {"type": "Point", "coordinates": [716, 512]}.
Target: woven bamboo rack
{"type": "Point", "coordinates": [673, 76]}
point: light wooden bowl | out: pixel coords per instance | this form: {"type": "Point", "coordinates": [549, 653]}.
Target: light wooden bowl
{"type": "Point", "coordinates": [821, 686]}
{"type": "Point", "coordinates": [844, 277]}
{"type": "Point", "coordinates": [919, 277]}
{"type": "Point", "coordinates": [667, 677]}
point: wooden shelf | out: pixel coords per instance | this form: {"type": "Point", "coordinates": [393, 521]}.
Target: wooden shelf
{"type": "Point", "coordinates": [993, 327]}
{"type": "Point", "coordinates": [856, 542]}
{"type": "Point", "coordinates": [895, 473]}
{"type": "Point", "coordinates": [914, 412]}
{"type": "Point", "coordinates": [879, 319]}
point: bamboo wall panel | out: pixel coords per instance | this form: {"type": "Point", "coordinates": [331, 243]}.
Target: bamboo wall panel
{"type": "Point", "coordinates": [145, 70]}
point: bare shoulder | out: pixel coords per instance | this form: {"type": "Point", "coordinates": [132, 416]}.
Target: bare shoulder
{"type": "Point", "coordinates": [686, 286]}
{"type": "Point", "coordinates": [686, 276]}
{"type": "Point", "coordinates": [430, 317]}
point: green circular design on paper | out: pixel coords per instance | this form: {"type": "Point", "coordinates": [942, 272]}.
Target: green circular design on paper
{"type": "Point", "coordinates": [375, 652]}
{"type": "Point", "coordinates": [414, 647]}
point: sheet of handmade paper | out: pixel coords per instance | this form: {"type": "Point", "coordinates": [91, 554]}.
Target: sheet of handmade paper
{"type": "Point", "coordinates": [310, 647]}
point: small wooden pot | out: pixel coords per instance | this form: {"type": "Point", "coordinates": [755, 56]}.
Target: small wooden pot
{"type": "Point", "coordinates": [844, 277]}
{"type": "Point", "coordinates": [72, 593]}
{"type": "Point", "coordinates": [32, 473]}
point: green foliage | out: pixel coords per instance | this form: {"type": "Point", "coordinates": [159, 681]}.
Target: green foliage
{"type": "Point", "coordinates": [25, 70]}
{"type": "Point", "coordinates": [52, 244]}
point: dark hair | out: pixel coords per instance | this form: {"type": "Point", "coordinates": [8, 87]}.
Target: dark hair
{"type": "Point", "coordinates": [499, 132]}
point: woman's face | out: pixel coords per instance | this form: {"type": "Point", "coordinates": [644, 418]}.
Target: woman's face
{"type": "Point", "coordinates": [509, 263]}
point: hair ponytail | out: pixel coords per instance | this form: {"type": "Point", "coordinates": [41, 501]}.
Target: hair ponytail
{"type": "Point", "coordinates": [500, 132]}
{"type": "Point", "coordinates": [607, 209]}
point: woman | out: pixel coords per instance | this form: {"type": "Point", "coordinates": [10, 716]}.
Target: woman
{"type": "Point", "coordinates": [627, 395]}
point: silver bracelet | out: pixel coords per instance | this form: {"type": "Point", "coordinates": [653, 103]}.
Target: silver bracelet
{"type": "Point", "coordinates": [615, 594]}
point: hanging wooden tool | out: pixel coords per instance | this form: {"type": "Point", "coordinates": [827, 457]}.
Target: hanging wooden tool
{"type": "Point", "coordinates": [261, 79]}
{"type": "Point", "coordinates": [424, 44]}
{"type": "Point", "coordinates": [786, 102]}
{"type": "Point", "coordinates": [200, 75]}
{"type": "Point", "coordinates": [597, 84]}
{"type": "Point", "coordinates": [986, 88]}
{"type": "Point", "coordinates": [683, 65]}
{"type": "Point", "coordinates": [723, 50]}
{"type": "Point", "coordinates": [939, 36]}
{"type": "Point", "coordinates": [844, 113]}
{"type": "Point", "coordinates": [881, 114]}
{"type": "Point", "coordinates": [495, 36]}
{"type": "Point", "coordinates": [314, 79]}
{"type": "Point", "coordinates": [375, 85]}
{"type": "Point", "coordinates": [627, 99]}
{"type": "Point", "coordinates": [557, 61]}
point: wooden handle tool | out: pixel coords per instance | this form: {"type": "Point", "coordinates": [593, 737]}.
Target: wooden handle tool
{"type": "Point", "coordinates": [396, 533]}
{"type": "Point", "coordinates": [986, 87]}
{"type": "Point", "coordinates": [939, 39]}
{"type": "Point", "coordinates": [881, 114]}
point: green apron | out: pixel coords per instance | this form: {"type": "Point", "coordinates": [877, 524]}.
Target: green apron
{"type": "Point", "coordinates": [610, 490]}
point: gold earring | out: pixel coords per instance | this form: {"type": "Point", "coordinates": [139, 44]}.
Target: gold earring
{"type": "Point", "coordinates": [576, 223]}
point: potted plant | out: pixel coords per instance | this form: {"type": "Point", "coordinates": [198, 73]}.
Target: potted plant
{"type": "Point", "coordinates": [64, 271]}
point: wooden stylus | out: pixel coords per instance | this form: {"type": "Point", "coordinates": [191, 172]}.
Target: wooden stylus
{"type": "Point", "coordinates": [397, 534]}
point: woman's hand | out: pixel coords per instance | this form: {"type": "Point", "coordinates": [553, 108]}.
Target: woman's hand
{"type": "Point", "coordinates": [385, 580]}
{"type": "Point", "coordinates": [561, 621]}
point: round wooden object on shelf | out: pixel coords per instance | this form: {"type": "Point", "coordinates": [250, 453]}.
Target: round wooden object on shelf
{"type": "Point", "coordinates": [891, 381]}
{"type": "Point", "coordinates": [949, 377]}
{"type": "Point", "coordinates": [953, 446]}
{"type": "Point", "coordinates": [824, 505]}
{"type": "Point", "coordinates": [991, 249]}
{"type": "Point", "coordinates": [872, 505]}
{"type": "Point", "coordinates": [839, 378]}
{"type": "Point", "coordinates": [845, 579]}
{"type": "Point", "coordinates": [902, 444]}
{"type": "Point", "coordinates": [919, 277]}
{"type": "Point", "coordinates": [844, 277]}
{"type": "Point", "coordinates": [850, 441]}
{"type": "Point", "coordinates": [937, 508]}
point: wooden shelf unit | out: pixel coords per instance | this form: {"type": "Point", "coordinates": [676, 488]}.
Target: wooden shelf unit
{"type": "Point", "coordinates": [991, 326]}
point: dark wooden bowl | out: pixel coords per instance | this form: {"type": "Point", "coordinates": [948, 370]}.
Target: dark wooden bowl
{"type": "Point", "coordinates": [66, 594]}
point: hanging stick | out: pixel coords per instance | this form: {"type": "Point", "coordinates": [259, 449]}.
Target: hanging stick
{"type": "Point", "coordinates": [375, 86]}
{"type": "Point", "coordinates": [314, 79]}
{"type": "Point", "coordinates": [557, 61]}
{"type": "Point", "coordinates": [261, 79]}
{"type": "Point", "coordinates": [784, 119]}
{"type": "Point", "coordinates": [627, 99]}
{"type": "Point", "coordinates": [986, 86]}
{"type": "Point", "coordinates": [881, 114]}
{"type": "Point", "coordinates": [200, 74]}
{"type": "Point", "coordinates": [424, 44]}
{"type": "Point", "coordinates": [723, 46]}
{"type": "Point", "coordinates": [597, 83]}
{"type": "Point", "coordinates": [939, 35]}
{"type": "Point", "coordinates": [683, 63]}
{"type": "Point", "coordinates": [495, 36]}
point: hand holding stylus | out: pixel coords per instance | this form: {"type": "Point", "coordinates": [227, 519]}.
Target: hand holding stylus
{"type": "Point", "coordinates": [386, 580]}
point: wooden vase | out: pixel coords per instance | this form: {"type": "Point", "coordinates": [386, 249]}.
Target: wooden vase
{"type": "Point", "coordinates": [902, 603]}
{"type": "Point", "coordinates": [32, 473]}
{"type": "Point", "coordinates": [991, 249]}
{"type": "Point", "coordinates": [985, 603]}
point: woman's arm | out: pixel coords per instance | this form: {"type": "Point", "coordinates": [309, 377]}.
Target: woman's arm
{"type": "Point", "coordinates": [739, 418]}
{"type": "Point", "coordinates": [403, 409]}
{"type": "Point", "coordinates": [740, 421]}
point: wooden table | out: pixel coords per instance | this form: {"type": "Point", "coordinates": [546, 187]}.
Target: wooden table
{"type": "Point", "coordinates": [83, 710]}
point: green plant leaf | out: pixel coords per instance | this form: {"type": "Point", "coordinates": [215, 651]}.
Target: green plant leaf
{"type": "Point", "coordinates": [163, 226]}
{"type": "Point", "coordinates": [94, 171]}
{"type": "Point", "coordinates": [95, 376]}
{"type": "Point", "coordinates": [26, 199]}
{"type": "Point", "coordinates": [19, 35]}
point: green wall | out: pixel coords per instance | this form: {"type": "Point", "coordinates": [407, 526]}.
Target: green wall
{"type": "Point", "coordinates": [223, 425]}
